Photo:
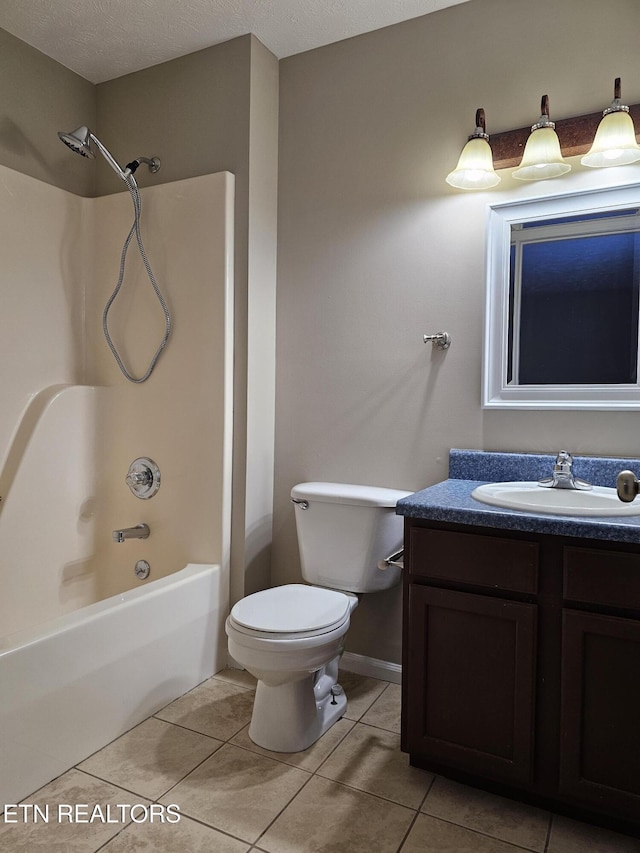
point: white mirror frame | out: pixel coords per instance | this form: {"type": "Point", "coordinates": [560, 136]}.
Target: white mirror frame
{"type": "Point", "coordinates": [496, 392]}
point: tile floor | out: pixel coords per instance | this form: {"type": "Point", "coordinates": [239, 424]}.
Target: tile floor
{"type": "Point", "coordinates": [351, 792]}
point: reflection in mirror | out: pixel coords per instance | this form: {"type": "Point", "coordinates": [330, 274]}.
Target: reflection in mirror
{"type": "Point", "coordinates": [561, 326]}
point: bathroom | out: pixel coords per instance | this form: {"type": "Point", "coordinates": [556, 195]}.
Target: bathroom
{"type": "Point", "coordinates": [349, 246]}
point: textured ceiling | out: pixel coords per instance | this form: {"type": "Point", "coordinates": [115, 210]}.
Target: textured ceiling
{"type": "Point", "coordinates": [103, 39]}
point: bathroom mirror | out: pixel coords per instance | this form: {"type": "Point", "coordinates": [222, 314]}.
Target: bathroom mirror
{"type": "Point", "coordinates": [561, 317]}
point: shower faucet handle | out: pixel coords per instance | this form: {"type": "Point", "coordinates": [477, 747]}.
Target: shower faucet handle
{"type": "Point", "coordinates": [139, 478]}
{"type": "Point", "coordinates": [143, 478]}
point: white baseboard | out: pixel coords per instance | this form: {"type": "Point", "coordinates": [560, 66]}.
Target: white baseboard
{"type": "Point", "coordinates": [372, 667]}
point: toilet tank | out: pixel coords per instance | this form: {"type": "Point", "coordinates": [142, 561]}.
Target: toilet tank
{"type": "Point", "coordinates": [344, 531]}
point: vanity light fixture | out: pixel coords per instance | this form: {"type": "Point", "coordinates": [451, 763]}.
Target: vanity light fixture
{"type": "Point", "coordinates": [475, 167]}
{"type": "Point", "coordinates": [615, 140]}
{"type": "Point", "coordinates": [542, 158]}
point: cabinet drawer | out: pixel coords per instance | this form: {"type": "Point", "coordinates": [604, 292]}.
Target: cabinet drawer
{"type": "Point", "coordinates": [602, 577]}
{"type": "Point", "coordinates": [485, 561]}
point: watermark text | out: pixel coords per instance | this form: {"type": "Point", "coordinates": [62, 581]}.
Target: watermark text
{"type": "Point", "coordinates": [90, 813]}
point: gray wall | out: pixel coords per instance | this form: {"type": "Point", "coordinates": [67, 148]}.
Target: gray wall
{"type": "Point", "coordinates": [192, 112]}
{"type": "Point", "coordinates": [40, 97]}
{"type": "Point", "coordinates": [374, 249]}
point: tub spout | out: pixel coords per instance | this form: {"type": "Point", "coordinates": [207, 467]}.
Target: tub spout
{"type": "Point", "coordinates": [140, 531]}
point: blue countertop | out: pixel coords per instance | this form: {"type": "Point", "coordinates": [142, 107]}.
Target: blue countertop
{"type": "Point", "coordinates": [451, 501]}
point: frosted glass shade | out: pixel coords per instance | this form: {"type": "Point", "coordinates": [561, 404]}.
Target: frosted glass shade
{"type": "Point", "coordinates": [542, 158]}
{"type": "Point", "coordinates": [615, 142]}
{"type": "Point", "coordinates": [475, 167]}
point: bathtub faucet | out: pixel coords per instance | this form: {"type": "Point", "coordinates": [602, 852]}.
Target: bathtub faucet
{"type": "Point", "coordinates": [140, 531]}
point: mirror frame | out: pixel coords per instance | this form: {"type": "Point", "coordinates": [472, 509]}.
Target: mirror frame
{"type": "Point", "coordinates": [496, 392]}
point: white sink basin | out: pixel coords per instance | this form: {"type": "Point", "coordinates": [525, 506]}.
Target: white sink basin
{"type": "Point", "coordinates": [529, 496]}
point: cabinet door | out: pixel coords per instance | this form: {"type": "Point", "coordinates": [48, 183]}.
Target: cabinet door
{"type": "Point", "coordinates": [471, 682]}
{"type": "Point", "coordinates": [600, 723]}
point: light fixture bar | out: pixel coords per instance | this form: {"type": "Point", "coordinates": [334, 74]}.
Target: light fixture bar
{"type": "Point", "coordinates": [575, 135]}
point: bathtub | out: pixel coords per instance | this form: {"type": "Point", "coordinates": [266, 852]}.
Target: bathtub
{"type": "Point", "coordinates": [72, 685]}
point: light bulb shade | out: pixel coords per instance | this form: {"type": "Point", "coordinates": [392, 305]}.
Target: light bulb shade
{"type": "Point", "coordinates": [615, 142]}
{"type": "Point", "coordinates": [542, 158]}
{"type": "Point", "coordinates": [475, 167]}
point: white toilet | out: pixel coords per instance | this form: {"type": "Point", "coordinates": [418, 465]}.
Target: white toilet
{"type": "Point", "coordinates": [291, 637]}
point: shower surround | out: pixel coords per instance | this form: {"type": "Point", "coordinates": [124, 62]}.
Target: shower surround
{"type": "Point", "coordinates": [70, 424]}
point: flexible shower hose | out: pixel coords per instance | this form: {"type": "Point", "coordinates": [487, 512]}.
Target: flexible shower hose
{"type": "Point", "coordinates": [132, 186]}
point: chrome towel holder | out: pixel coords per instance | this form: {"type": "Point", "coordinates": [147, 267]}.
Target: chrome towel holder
{"type": "Point", "coordinates": [441, 340]}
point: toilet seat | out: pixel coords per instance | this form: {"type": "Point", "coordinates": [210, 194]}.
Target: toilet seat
{"type": "Point", "coordinates": [291, 612]}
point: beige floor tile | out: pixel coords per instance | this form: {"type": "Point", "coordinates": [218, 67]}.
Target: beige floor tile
{"type": "Point", "coordinates": [187, 836]}
{"type": "Point", "coordinates": [499, 817]}
{"type": "Point", "coordinates": [239, 677]}
{"type": "Point", "coordinates": [151, 758]}
{"type": "Point", "coordinates": [326, 817]}
{"type": "Point", "coordinates": [430, 835]}
{"type": "Point", "coordinates": [361, 692]}
{"type": "Point", "coordinates": [385, 711]}
{"type": "Point", "coordinates": [63, 833]}
{"type": "Point", "coordinates": [570, 836]}
{"type": "Point", "coordinates": [309, 759]}
{"type": "Point", "coordinates": [213, 708]}
{"type": "Point", "coordinates": [370, 759]}
{"type": "Point", "coordinates": [237, 791]}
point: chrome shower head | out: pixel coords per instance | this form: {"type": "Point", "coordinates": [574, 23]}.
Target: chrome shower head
{"type": "Point", "coordinates": [79, 140]}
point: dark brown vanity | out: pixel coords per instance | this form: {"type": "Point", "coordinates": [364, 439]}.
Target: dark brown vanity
{"type": "Point", "coordinates": [521, 666]}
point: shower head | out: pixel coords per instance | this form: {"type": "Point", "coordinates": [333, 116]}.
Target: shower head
{"type": "Point", "coordinates": [79, 141]}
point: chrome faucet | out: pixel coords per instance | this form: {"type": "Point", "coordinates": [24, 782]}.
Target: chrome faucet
{"type": "Point", "coordinates": [140, 531]}
{"type": "Point", "coordinates": [562, 475]}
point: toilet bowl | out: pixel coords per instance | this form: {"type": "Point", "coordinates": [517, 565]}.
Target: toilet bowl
{"type": "Point", "coordinates": [291, 637]}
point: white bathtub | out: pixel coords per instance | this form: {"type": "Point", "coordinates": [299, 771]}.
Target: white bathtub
{"type": "Point", "coordinates": [77, 682]}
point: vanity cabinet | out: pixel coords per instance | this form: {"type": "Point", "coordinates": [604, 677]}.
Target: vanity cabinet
{"type": "Point", "coordinates": [521, 667]}
{"type": "Point", "coordinates": [600, 697]}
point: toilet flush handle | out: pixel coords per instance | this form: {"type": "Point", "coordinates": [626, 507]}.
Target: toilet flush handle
{"type": "Point", "coordinates": [301, 504]}
{"type": "Point", "coordinates": [396, 560]}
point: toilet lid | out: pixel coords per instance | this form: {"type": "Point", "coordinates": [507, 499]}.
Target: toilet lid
{"type": "Point", "coordinates": [291, 609]}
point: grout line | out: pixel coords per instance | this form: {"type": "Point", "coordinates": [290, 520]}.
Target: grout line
{"type": "Point", "coordinates": [408, 832]}
{"type": "Point", "coordinates": [366, 793]}
{"type": "Point", "coordinates": [242, 687]}
{"type": "Point", "coordinates": [548, 838]}
{"type": "Point", "coordinates": [273, 755]}
{"type": "Point", "coordinates": [268, 827]}
{"type": "Point", "coordinates": [224, 832]}
{"type": "Point", "coordinates": [417, 814]}
{"type": "Point", "coordinates": [188, 729]}
{"type": "Point", "coordinates": [113, 837]}
{"type": "Point", "coordinates": [370, 706]}
{"type": "Point", "coordinates": [424, 799]}
{"type": "Point", "coordinates": [115, 784]}
{"type": "Point", "coordinates": [380, 728]}
{"type": "Point", "coordinates": [513, 844]}
{"type": "Point", "coordinates": [193, 769]}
